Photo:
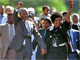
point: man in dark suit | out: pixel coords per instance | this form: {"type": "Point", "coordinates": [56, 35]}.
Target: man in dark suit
{"type": "Point", "coordinates": [74, 34]}
{"type": "Point", "coordinates": [24, 28]}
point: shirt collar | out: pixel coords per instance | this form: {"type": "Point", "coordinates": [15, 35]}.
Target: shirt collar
{"type": "Point", "coordinates": [75, 23]}
{"type": "Point", "coordinates": [51, 27]}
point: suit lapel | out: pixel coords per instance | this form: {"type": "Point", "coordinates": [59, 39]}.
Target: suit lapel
{"type": "Point", "coordinates": [71, 34]}
{"type": "Point", "coordinates": [72, 39]}
{"type": "Point", "coordinates": [42, 33]}
{"type": "Point", "coordinates": [48, 35]}
{"type": "Point", "coordinates": [22, 26]}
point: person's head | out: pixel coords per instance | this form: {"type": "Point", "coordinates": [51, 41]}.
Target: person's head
{"type": "Point", "coordinates": [56, 18]}
{"type": "Point", "coordinates": [31, 12]}
{"type": "Point", "coordinates": [64, 14]}
{"type": "Point", "coordinates": [9, 9]}
{"type": "Point", "coordinates": [46, 10]}
{"type": "Point", "coordinates": [75, 18]}
{"type": "Point", "coordinates": [10, 21]}
{"type": "Point", "coordinates": [52, 10]}
{"type": "Point", "coordinates": [2, 8]}
{"type": "Point", "coordinates": [46, 23]}
{"type": "Point", "coordinates": [23, 13]}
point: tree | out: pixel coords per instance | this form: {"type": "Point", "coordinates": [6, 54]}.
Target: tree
{"type": "Point", "coordinates": [4, 2]}
{"type": "Point", "coordinates": [60, 5]}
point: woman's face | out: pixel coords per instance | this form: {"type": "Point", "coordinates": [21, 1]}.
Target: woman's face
{"type": "Point", "coordinates": [57, 22]}
{"type": "Point", "coordinates": [46, 24]}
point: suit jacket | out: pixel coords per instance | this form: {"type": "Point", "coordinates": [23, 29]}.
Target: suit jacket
{"type": "Point", "coordinates": [75, 44]}
{"type": "Point", "coordinates": [18, 39]}
{"type": "Point", "coordinates": [75, 39]}
{"type": "Point", "coordinates": [38, 53]}
{"type": "Point", "coordinates": [4, 40]}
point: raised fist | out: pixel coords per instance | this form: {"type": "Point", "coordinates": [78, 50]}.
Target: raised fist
{"type": "Point", "coordinates": [71, 3]}
{"type": "Point", "coordinates": [19, 5]}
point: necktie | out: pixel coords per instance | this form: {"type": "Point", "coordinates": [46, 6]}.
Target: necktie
{"type": "Point", "coordinates": [25, 30]}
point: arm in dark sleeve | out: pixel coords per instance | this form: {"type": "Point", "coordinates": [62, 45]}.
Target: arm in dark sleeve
{"type": "Point", "coordinates": [16, 18]}
{"type": "Point", "coordinates": [38, 38]}
{"type": "Point", "coordinates": [66, 25]}
{"type": "Point", "coordinates": [35, 43]}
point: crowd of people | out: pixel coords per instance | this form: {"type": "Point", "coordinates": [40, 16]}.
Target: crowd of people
{"type": "Point", "coordinates": [51, 36]}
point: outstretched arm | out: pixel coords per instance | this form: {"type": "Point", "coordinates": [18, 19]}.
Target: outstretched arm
{"type": "Point", "coordinates": [70, 10]}
{"type": "Point", "coordinates": [19, 5]}
{"type": "Point", "coordinates": [15, 14]}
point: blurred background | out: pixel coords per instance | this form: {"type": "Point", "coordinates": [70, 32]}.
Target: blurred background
{"type": "Point", "coordinates": [60, 5]}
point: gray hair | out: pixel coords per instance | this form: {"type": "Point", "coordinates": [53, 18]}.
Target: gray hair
{"type": "Point", "coordinates": [20, 10]}
{"type": "Point", "coordinates": [75, 14]}
{"type": "Point", "coordinates": [10, 7]}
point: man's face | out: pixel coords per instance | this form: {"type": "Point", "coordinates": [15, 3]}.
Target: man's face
{"type": "Point", "coordinates": [46, 11]}
{"type": "Point", "coordinates": [75, 19]}
{"type": "Point", "coordinates": [10, 21]}
{"type": "Point", "coordinates": [1, 10]}
{"type": "Point", "coordinates": [65, 15]}
{"type": "Point", "coordinates": [46, 24]}
{"type": "Point", "coordinates": [24, 14]}
{"type": "Point", "coordinates": [57, 22]}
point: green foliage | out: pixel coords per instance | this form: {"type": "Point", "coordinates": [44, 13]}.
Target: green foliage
{"type": "Point", "coordinates": [60, 5]}
{"type": "Point", "coordinates": [4, 2]}
{"type": "Point", "coordinates": [38, 10]}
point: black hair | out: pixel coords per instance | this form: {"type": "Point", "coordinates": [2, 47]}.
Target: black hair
{"type": "Point", "coordinates": [64, 13]}
{"type": "Point", "coordinates": [45, 7]}
{"type": "Point", "coordinates": [48, 21]}
{"type": "Point", "coordinates": [56, 15]}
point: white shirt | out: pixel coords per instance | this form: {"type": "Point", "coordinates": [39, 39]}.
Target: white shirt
{"type": "Point", "coordinates": [11, 32]}
{"type": "Point", "coordinates": [36, 19]}
{"type": "Point", "coordinates": [4, 20]}
{"type": "Point", "coordinates": [43, 16]}
{"type": "Point", "coordinates": [4, 15]}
